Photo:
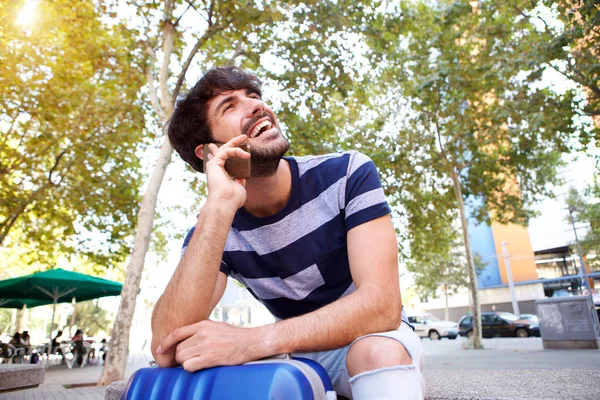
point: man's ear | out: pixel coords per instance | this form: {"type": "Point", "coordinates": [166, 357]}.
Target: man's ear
{"type": "Point", "coordinates": [199, 151]}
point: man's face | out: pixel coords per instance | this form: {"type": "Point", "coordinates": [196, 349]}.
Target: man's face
{"type": "Point", "coordinates": [240, 112]}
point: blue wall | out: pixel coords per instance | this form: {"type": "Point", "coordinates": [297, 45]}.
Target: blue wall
{"type": "Point", "coordinates": [482, 243]}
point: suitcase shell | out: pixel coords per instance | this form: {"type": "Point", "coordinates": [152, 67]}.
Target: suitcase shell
{"type": "Point", "coordinates": [272, 379]}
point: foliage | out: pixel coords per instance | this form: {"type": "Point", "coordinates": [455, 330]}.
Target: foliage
{"type": "Point", "coordinates": [465, 97]}
{"type": "Point", "coordinates": [575, 48]}
{"type": "Point", "coordinates": [5, 321]}
{"type": "Point", "coordinates": [91, 318]}
{"type": "Point", "coordinates": [321, 75]}
{"type": "Point", "coordinates": [71, 124]}
{"type": "Point", "coordinates": [586, 210]}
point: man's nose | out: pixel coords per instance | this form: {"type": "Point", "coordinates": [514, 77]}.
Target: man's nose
{"type": "Point", "coordinates": [255, 107]}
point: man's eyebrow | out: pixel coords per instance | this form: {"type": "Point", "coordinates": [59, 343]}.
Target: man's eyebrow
{"type": "Point", "coordinates": [226, 100]}
{"type": "Point", "coordinates": [232, 97]}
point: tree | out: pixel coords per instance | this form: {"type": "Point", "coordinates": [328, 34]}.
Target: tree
{"type": "Point", "coordinates": [164, 35]}
{"type": "Point", "coordinates": [574, 50]}
{"type": "Point", "coordinates": [71, 122]}
{"type": "Point", "coordinates": [476, 125]}
{"type": "Point", "coordinates": [586, 210]}
{"type": "Point", "coordinates": [224, 32]}
{"type": "Point", "coordinates": [91, 318]}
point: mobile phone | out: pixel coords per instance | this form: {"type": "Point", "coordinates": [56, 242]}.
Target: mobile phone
{"type": "Point", "coordinates": [236, 167]}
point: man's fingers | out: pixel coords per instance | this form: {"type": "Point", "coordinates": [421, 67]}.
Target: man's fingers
{"type": "Point", "coordinates": [236, 141]}
{"type": "Point", "coordinates": [185, 353]}
{"type": "Point", "coordinates": [213, 148]}
{"type": "Point", "coordinates": [225, 153]}
{"type": "Point", "coordinates": [175, 337]}
{"type": "Point", "coordinates": [194, 364]}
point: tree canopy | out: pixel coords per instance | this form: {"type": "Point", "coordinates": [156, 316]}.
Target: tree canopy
{"type": "Point", "coordinates": [470, 119]}
{"type": "Point", "coordinates": [72, 125]}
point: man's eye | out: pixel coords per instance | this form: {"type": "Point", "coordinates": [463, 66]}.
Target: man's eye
{"type": "Point", "coordinates": [228, 107]}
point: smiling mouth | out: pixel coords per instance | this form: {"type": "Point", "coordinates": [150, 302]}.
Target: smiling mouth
{"type": "Point", "coordinates": [260, 128]}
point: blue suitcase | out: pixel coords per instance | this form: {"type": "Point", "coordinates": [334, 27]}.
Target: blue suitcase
{"type": "Point", "coordinates": [271, 379]}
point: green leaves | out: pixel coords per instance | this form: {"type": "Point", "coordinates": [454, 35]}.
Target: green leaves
{"type": "Point", "coordinates": [476, 103]}
{"type": "Point", "coordinates": [71, 123]}
{"type": "Point", "coordinates": [585, 209]}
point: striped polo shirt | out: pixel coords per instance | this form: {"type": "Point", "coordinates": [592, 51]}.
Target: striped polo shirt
{"type": "Point", "coordinates": [296, 261]}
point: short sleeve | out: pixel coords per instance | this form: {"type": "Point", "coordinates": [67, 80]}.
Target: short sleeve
{"type": "Point", "coordinates": [364, 197]}
{"type": "Point", "coordinates": [224, 268]}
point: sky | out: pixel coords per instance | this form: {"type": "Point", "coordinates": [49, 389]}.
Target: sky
{"type": "Point", "coordinates": [551, 228]}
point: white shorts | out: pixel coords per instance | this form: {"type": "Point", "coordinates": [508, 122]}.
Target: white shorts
{"type": "Point", "coordinates": [334, 361]}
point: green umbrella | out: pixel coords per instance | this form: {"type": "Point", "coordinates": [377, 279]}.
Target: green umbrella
{"type": "Point", "coordinates": [57, 286]}
{"type": "Point", "coordinates": [19, 303]}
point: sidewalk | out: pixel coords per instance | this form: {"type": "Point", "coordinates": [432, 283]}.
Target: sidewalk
{"type": "Point", "coordinates": [59, 375]}
{"type": "Point", "coordinates": [508, 368]}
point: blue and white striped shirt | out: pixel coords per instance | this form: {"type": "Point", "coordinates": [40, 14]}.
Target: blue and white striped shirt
{"type": "Point", "coordinates": [296, 261]}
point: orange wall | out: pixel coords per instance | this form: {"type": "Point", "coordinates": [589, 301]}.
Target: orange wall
{"type": "Point", "coordinates": [522, 263]}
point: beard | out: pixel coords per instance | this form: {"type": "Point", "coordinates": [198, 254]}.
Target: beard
{"type": "Point", "coordinates": [265, 160]}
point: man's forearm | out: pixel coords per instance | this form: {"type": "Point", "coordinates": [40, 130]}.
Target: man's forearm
{"type": "Point", "coordinates": [365, 311]}
{"type": "Point", "coordinates": [187, 297]}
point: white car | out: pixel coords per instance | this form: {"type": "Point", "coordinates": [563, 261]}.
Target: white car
{"type": "Point", "coordinates": [427, 325]}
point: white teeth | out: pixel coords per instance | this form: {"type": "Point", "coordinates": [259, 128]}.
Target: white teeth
{"type": "Point", "coordinates": [258, 127]}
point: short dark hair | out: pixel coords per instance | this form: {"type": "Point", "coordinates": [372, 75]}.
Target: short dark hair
{"type": "Point", "coordinates": [188, 127]}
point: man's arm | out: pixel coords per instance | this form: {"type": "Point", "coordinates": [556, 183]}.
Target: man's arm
{"type": "Point", "coordinates": [375, 306]}
{"type": "Point", "coordinates": [196, 286]}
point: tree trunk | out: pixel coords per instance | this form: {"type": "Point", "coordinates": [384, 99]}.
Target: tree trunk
{"type": "Point", "coordinates": [116, 360]}
{"type": "Point", "coordinates": [20, 319]}
{"type": "Point", "coordinates": [446, 311]}
{"type": "Point", "coordinates": [72, 319]}
{"type": "Point", "coordinates": [475, 307]}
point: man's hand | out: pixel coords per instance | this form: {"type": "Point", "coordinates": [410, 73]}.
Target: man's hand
{"type": "Point", "coordinates": [208, 344]}
{"type": "Point", "coordinates": [221, 188]}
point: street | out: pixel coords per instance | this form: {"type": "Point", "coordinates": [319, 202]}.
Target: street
{"type": "Point", "coordinates": [509, 368]}
{"type": "Point", "coordinates": [505, 353]}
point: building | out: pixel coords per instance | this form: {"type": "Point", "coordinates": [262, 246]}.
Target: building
{"type": "Point", "coordinates": [536, 274]}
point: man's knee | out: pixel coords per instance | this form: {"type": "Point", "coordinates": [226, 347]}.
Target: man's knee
{"type": "Point", "coordinates": [374, 352]}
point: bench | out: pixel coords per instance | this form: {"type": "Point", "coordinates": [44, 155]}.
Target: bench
{"type": "Point", "coordinates": [20, 376]}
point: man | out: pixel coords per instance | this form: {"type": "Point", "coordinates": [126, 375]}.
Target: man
{"type": "Point", "coordinates": [310, 237]}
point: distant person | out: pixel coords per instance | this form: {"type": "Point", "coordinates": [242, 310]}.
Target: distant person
{"type": "Point", "coordinates": [81, 346]}
{"type": "Point", "coordinates": [55, 343]}
{"type": "Point", "coordinates": [17, 340]}
{"type": "Point", "coordinates": [104, 349]}
{"type": "Point", "coordinates": [6, 351]}
{"type": "Point", "coordinates": [26, 338]}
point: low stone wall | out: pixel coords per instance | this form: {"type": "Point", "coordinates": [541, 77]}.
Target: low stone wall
{"type": "Point", "coordinates": [20, 376]}
{"type": "Point", "coordinates": [115, 390]}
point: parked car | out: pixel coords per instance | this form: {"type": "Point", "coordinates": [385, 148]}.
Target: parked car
{"type": "Point", "coordinates": [498, 323]}
{"type": "Point", "coordinates": [427, 325]}
{"type": "Point", "coordinates": [530, 317]}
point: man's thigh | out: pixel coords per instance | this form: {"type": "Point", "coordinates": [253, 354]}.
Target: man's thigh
{"type": "Point", "coordinates": [334, 361]}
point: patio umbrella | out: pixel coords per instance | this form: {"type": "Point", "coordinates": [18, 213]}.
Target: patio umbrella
{"type": "Point", "coordinates": [57, 286]}
{"type": "Point", "coordinates": [19, 303]}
